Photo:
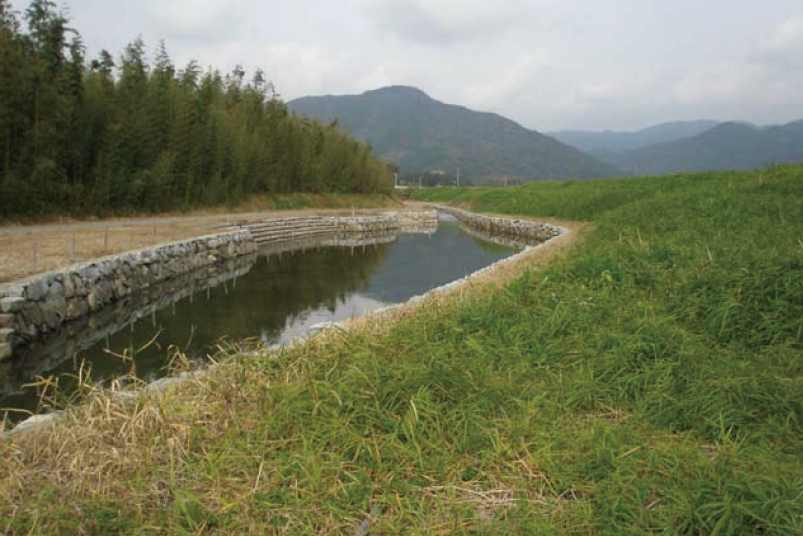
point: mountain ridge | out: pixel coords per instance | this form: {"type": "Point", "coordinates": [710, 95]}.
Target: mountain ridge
{"type": "Point", "coordinates": [409, 128]}
{"type": "Point", "coordinates": [729, 145]}
{"type": "Point", "coordinates": [606, 142]}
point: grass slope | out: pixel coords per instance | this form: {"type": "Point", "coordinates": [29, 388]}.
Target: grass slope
{"type": "Point", "coordinates": [649, 382]}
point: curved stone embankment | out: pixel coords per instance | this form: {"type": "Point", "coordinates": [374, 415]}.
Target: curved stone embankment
{"type": "Point", "coordinates": [50, 351]}
{"type": "Point", "coordinates": [270, 232]}
{"type": "Point", "coordinates": [493, 226]}
{"type": "Point", "coordinates": [488, 227]}
{"type": "Point", "coordinates": [42, 304]}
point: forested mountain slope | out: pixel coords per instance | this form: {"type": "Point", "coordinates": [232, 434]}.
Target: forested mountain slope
{"type": "Point", "coordinates": [726, 146]}
{"type": "Point", "coordinates": [407, 127]}
{"type": "Point", "coordinates": [605, 143]}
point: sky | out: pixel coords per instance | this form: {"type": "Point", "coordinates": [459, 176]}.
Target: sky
{"type": "Point", "coordinates": [547, 64]}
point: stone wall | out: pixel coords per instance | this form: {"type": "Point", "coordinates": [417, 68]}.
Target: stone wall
{"type": "Point", "coordinates": [51, 350]}
{"type": "Point", "coordinates": [510, 227]}
{"type": "Point", "coordinates": [271, 232]}
{"type": "Point", "coordinates": [37, 307]}
{"type": "Point", "coordinates": [42, 304]}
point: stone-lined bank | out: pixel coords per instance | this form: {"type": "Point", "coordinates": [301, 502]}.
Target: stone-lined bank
{"type": "Point", "coordinates": [276, 231]}
{"type": "Point", "coordinates": [499, 226]}
{"type": "Point", "coordinates": [42, 304]}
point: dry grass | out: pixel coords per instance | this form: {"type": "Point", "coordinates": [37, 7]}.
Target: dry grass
{"type": "Point", "coordinates": [118, 445]}
{"type": "Point", "coordinates": [44, 250]}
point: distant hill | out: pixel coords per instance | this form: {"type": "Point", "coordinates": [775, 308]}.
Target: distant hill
{"type": "Point", "coordinates": [726, 146]}
{"type": "Point", "coordinates": [407, 127]}
{"type": "Point", "coordinates": [606, 143]}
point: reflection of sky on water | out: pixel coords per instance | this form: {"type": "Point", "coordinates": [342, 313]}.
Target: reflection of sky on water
{"type": "Point", "coordinates": [280, 298]}
{"type": "Point", "coordinates": [305, 323]}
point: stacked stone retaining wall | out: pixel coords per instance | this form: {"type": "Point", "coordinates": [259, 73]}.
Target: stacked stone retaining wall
{"type": "Point", "coordinates": [493, 226]}
{"type": "Point", "coordinates": [49, 351]}
{"type": "Point", "coordinates": [42, 304]}
{"type": "Point", "coordinates": [271, 232]}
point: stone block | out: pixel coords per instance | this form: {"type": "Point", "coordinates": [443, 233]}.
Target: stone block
{"type": "Point", "coordinates": [36, 289]}
{"type": "Point", "coordinates": [76, 308]}
{"type": "Point", "coordinates": [5, 351]}
{"type": "Point", "coordinates": [5, 335]}
{"type": "Point", "coordinates": [11, 305]}
{"type": "Point", "coordinates": [17, 291]}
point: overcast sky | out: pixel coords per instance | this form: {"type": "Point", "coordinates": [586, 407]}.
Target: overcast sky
{"type": "Point", "coordinates": [548, 64]}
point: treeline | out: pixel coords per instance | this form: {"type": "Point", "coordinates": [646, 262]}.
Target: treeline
{"type": "Point", "coordinates": [106, 135]}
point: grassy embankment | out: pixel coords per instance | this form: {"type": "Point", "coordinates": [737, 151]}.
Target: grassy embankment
{"type": "Point", "coordinates": [649, 382]}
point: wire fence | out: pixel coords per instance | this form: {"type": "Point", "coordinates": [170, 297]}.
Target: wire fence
{"type": "Point", "coordinates": [30, 253]}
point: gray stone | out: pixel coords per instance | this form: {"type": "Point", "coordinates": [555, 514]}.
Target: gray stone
{"type": "Point", "coordinates": [17, 291]}
{"type": "Point", "coordinates": [69, 285]}
{"type": "Point", "coordinates": [77, 308]}
{"type": "Point", "coordinates": [11, 305]}
{"type": "Point", "coordinates": [141, 276]}
{"type": "Point", "coordinates": [106, 268]}
{"type": "Point", "coordinates": [56, 291]}
{"type": "Point", "coordinates": [89, 273]}
{"type": "Point", "coordinates": [6, 334]}
{"type": "Point", "coordinates": [28, 330]}
{"type": "Point", "coordinates": [37, 422]}
{"type": "Point", "coordinates": [54, 311]}
{"type": "Point", "coordinates": [36, 289]}
{"type": "Point", "coordinates": [5, 351]}
{"type": "Point", "coordinates": [6, 320]}
{"type": "Point", "coordinates": [100, 295]}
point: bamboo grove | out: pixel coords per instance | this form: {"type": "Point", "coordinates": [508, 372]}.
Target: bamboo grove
{"type": "Point", "coordinates": [101, 136]}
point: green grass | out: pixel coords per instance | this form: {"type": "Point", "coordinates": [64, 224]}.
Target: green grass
{"type": "Point", "coordinates": [649, 382]}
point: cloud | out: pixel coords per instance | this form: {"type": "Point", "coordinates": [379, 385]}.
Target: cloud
{"type": "Point", "coordinates": [208, 20]}
{"type": "Point", "coordinates": [785, 46]}
{"type": "Point", "coordinates": [514, 82]}
{"type": "Point", "coordinates": [788, 38]}
{"type": "Point", "coordinates": [303, 69]}
{"type": "Point", "coordinates": [445, 21]}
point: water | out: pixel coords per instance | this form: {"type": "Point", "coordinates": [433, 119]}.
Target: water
{"type": "Point", "coordinates": [273, 297]}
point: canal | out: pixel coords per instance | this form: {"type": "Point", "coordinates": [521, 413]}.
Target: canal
{"type": "Point", "coordinates": [272, 298]}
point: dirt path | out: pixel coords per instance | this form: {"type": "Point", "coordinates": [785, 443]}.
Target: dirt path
{"type": "Point", "coordinates": [32, 249]}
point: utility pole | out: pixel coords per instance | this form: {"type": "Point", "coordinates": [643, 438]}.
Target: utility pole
{"type": "Point", "coordinates": [458, 176]}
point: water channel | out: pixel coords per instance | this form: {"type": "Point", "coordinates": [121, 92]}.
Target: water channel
{"type": "Point", "coordinates": [273, 297]}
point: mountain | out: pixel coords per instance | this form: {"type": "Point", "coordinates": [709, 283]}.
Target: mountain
{"type": "Point", "coordinates": [729, 145]}
{"type": "Point", "coordinates": [407, 127]}
{"type": "Point", "coordinates": [609, 142]}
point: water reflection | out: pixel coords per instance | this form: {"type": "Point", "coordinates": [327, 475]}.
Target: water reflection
{"type": "Point", "coordinates": [276, 296]}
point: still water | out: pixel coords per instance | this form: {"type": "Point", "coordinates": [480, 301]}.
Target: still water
{"type": "Point", "coordinates": [275, 297]}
